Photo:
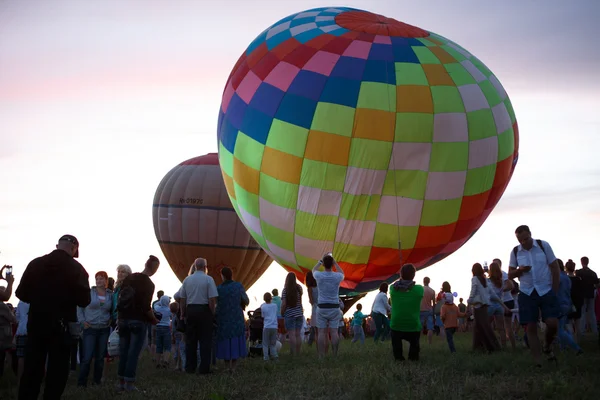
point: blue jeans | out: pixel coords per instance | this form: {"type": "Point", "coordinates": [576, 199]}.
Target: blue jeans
{"type": "Point", "coordinates": [163, 339]}
{"type": "Point", "coordinates": [564, 336]}
{"type": "Point", "coordinates": [94, 346]}
{"type": "Point", "coordinates": [132, 335]}
{"type": "Point", "coordinates": [179, 348]}
{"type": "Point", "coordinates": [450, 339]}
{"type": "Point", "coordinates": [359, 334]}
{"type": "Point", "coordinates": [382, 326]}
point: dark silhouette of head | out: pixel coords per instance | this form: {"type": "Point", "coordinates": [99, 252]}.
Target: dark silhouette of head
{"type": "Point", "coordinates": [309, 280]}
{"type": "Point", "coordinates": [446, 287]}
{"type": "Point", "coordinates": [477, 271]}
{"type": "Point", "coordinates": [408, 271]}
{"type": "Point", "coordinates": [524, 237]}
{"type": "Point", "coordinates": [585, 262]}
{"type": "Point", "coordinates": [152, 265]}
{"type": "Point", "coordinates": [328, 262]}
{"type": "Point", "coordinates": [226, 273]}
{"type": "Point", "coordinates": [383, 288]}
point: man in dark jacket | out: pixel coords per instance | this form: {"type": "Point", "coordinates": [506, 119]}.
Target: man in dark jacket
{"type": "Point", "coordinates": [54, 285]}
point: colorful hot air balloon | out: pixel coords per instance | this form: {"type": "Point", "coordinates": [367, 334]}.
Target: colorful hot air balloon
{"type": "Point", "coordinates": [193, 218]}
{"type": "Point", "coordinates": [346, 131]}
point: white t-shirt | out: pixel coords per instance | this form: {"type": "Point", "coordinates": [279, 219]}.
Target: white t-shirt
{"type": "Point", "coordinates": [269, 314]}
{"type": "Point", "coordinates": [329, 286]}
{"type": "Point", "coordinates": [381, 305]}
{"type": "Point", "coordinates": [506, 296]}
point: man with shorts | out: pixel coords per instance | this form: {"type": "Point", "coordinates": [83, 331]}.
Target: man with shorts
{"type": "Point", "coordinates": [534, 263]}
{"type": "Point", "coordinates": [328, 305]}
{"type": "Point", "coordinates": [427, 304]}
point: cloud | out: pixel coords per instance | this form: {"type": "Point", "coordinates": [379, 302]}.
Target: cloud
{"type": "Point", "coordinates": [586, 197]}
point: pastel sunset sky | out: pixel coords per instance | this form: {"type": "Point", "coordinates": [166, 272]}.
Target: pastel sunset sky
{"type": "Point", "coordinates": [100, 99]}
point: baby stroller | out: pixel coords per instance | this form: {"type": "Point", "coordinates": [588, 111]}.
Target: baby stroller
{"type": "Point", "coordinates": [255, 327]}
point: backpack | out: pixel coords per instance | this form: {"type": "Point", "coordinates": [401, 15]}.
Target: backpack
{"type": "Point", "coordinates": [126, 301]}
{"type": "Point", "coordinates": [539, 242]}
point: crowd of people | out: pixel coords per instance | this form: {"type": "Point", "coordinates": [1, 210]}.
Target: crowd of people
{"type": "Point", "coordinates": [60, 320]}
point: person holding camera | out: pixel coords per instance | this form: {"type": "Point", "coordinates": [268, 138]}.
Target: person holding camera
{"type": "Point", "coordinates": [10, 279]}
{"type": "Point", "coordinates": [54, 285]}
{"type": "Point", "coordinates": [328, 306]}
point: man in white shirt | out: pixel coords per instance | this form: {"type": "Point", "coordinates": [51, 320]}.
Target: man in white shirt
{"type": "Point", "coordinates": [198, 301]}
{"type": "Point", "coordinates": [328, 306]}
{"type": "Point", "coordinates": [534, 263]}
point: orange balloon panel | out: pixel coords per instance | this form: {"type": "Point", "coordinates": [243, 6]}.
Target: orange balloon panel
{"type": "Point", "coordinates": [193, 217]}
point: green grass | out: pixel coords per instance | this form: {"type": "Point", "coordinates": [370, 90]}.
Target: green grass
{"type": "Point", "coordinates": [367, 373]}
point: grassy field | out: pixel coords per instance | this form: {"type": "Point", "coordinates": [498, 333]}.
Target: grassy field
{"type": "Point", "coordinates": [368, 372]}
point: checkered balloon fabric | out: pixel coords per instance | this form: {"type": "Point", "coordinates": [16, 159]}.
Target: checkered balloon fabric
{"type": "Point", "coordinates": [346, 131]}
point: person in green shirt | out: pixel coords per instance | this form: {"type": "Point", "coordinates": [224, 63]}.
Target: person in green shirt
{"type": "Point", "coordinates": [405, 324]}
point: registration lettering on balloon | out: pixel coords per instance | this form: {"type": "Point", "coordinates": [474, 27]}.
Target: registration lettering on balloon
{"type": "Point", "coordinates": [190, 201]}
{"type": "Point", "coordinates": [193, 217]}
{"type": "Point", "coordinates": [347, 131]}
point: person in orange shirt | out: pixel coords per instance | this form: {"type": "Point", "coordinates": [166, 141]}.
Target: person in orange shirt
{"type": "Point", "coordinates": [450, 315]}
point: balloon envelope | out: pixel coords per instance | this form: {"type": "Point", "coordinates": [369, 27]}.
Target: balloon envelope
{"type": "Point", "coordinates": [346, 131]}
{"type": "Point", "coordinates": [193, 218]}
{"type": "Point", "coordinates": [349, 301]}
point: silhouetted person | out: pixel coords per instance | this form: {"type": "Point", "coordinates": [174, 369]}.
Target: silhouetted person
{"type": "Point", "coordinates": [54, 285]}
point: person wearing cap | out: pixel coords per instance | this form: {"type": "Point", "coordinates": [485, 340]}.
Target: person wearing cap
{"type": "Point", "coordinates": [54, 285]}
{"type": "Point", "coordinates": [449, 316]}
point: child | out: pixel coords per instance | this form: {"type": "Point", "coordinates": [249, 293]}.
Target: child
{"type": "Point", "coordinates": [177, 338]}
{"type": "Point", "coordinates": [163, 332]}
{"type": "Point", "coordinates": [450, 314]}
{"type": "Point", "coordinates": [357, 325]}
{"type": "Point", "coordinates": [268, 311]}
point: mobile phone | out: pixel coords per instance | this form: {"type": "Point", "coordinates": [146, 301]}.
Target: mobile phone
{"type": "Point", "coordinates": [8, 270]}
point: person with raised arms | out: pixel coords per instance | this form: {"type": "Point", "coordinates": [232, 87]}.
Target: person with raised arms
{"type": "Point", "coordinates": [328, 315]}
